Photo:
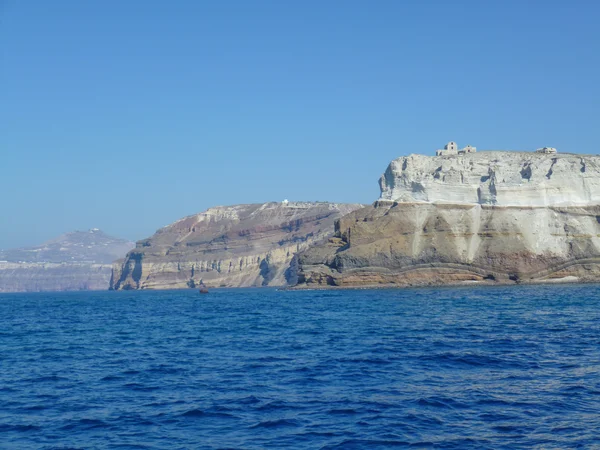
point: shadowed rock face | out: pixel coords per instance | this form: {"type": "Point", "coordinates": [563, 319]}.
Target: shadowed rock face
{"type": "Point", "coordinates": [80, 260]}
{"type": "Point", "coordinates": [233, 246]}
{"type": "Point", "coordinates": [528, 230]}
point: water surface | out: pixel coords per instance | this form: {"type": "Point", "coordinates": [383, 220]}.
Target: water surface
{"type": "Point", "coordinates": [505, 367]}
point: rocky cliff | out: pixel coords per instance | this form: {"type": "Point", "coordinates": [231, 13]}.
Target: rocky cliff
{"type": "Point", "coordinates": [80, 260]}
{"type": "Point", "coordinates": [485, 217]}
{"type": "Point", "coordinates": [46, 277]}
{"type": "Point", "coordinates": [233, 246]}
{"type": "Point", "coordinates": [494, 178]}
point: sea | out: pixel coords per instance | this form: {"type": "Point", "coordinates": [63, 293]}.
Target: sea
{"type": "Point", "coordinates": [451, 368]}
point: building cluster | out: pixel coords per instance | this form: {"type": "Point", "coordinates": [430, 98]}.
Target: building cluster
{"type": "Point", "coordinates": [546, 150]}
{"type": "Point", "coordinates": [452, 149]}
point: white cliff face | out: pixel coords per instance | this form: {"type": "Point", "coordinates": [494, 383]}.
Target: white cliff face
{"type": "Point", "coordinates": [494, 178]}
{"type": "Point", "coordinates": [480, 217]}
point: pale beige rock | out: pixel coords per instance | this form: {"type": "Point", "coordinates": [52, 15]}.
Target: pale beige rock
{"type": "Point", "coordinates": [484, 217]}
{"type": "Point", "coordinates": [494, 178]}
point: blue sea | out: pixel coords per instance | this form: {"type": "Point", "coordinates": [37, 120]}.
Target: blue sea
{"type": "Point", "coordinates": [453, 368]}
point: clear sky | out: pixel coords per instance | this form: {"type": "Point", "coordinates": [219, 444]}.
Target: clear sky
{"type": "Point", "coordinates": [127, 115]}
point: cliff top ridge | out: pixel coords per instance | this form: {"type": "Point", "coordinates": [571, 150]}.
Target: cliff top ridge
{"type": "Point", "coordinates": [509, 178]}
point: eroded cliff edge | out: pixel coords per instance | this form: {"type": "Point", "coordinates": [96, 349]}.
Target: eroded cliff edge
{"type": "Point", "coordinates": [229, 246]}
{"type": "Point", "coordinates": [483, 217]}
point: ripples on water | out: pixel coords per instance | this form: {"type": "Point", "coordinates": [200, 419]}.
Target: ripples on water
{"type": "Point", "coordinates": [456, 368]}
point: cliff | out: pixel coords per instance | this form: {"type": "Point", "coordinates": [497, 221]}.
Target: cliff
{"type": "Point", "coordinates": [233, 246]}
{"type": "Point", "coordinates": [486, 217]}
{"type": "Point", "coordinates": [80, 260]}
{"type": "Point", "coordinates": [494, 178]}
{"type": "Point", "coordinates": [46, 277]}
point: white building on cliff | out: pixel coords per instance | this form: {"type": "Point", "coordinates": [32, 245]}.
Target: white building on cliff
{"type": "Point", "coordinates": [451, 148]}
{"type": "Point", "coordinates": [546, 150]}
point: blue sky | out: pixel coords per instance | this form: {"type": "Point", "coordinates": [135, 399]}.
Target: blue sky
{"type": "Point", "coordinates": [129, 115]}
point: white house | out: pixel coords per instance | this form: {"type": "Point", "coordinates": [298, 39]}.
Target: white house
{"type": "Point", "coordinates": [546, 150]}
{"type": "Point", "coordinates": [452, 149]}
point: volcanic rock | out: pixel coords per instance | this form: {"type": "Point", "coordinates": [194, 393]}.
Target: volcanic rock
{"type": "Point", "coordinates": [486, 217]}
{"type": "Point", "coordinates": [229, 246]}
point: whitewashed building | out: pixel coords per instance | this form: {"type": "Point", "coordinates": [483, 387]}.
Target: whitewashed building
{"type": "Point", "coordinates": [451, 148]}
{"type": "Point", "coordinates": [546, 150]}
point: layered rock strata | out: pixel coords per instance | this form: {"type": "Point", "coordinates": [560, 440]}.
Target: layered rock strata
{"type": "Point", "coordinates": [487, 217]}
{"type": "Point", "coordinates": [494, 178]}
{"type": "Point", "coordinates": [229, 246]}
{"type": "Point", "coordinates": [80, 260]}
{"type": "Point", "coordinates": [45, 277]}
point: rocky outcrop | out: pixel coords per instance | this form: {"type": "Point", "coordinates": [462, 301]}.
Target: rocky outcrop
{"type": "Point", "coordinates": [80, 260]}
{"type": "Point", "coordinates": [494, 178]}
{"type": "Point", "coordinates": [232, 246]}
{"type": "Point", "coordinates": [487, 217]}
